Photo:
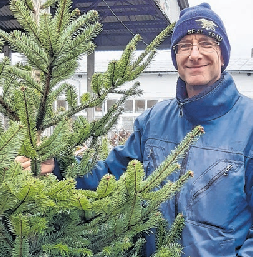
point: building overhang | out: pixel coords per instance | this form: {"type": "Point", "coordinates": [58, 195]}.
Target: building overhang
{"type": "Point", "coordinates": [121, 20]}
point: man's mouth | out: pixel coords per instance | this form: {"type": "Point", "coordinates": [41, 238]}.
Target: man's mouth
{"type": "Point", "coordinates": [197, 66]}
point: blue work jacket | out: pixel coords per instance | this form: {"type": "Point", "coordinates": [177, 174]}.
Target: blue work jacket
{"type": "Point", "coordinates": [217, 202]}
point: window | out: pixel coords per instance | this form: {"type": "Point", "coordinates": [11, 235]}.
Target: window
{"type": "Point", "coordinates": [99, 108]}
{"type": "Point", "coordinates": [131, 106]}
{"type": "Point", "coordinates": [151, 103]}
{"type": "Point", "coordinates": [128, 107]}
{"type": "Point", "coordinates": [61, 105]}
{"type": "Point", "coordinates": [139, 105]}
{"type": "Point", "coordinates": [110, 103]}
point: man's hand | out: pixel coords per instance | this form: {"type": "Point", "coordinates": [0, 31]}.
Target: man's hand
{"type": "Point", "coordinates": [46, 166]}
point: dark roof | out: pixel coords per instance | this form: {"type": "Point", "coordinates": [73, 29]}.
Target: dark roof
{"type": "Point", "coordinates": [121, 19]}
{"type": "Point", "coordinates": [7, 21]}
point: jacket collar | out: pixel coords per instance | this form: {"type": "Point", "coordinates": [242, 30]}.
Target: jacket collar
{"type": "Point", "coordinates": [211, 104]}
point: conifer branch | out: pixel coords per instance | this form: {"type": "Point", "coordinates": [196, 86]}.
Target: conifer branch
{"type": "Point", "coordinates": [4, 64]}
{"type": "Point", "coordinates": [24, 17]}
{"type": "Point", "coordinates": [5, 204]}
{"type": "Point", "coordinates": [23, 44]}
{"type": "Point", "coordinates": [20, 239]}
{"type": "Point", "coordinates": [48, 3]}
{"type": "Point", "coordinates": [69, 113]}
{"type": "Point", "coordinates": [26, 77]}
{"type": "Point", "coordinates": [131, 213]}
{"type": "Point", "coordinates": [12, 211]}
{"type": "Point", "coordinates": [3, 234]}
{"type": "Point", "coordinates": [56, 92]}
{"type": "Point", "coordinates": [63, 71]}
{"type": "Point", "coordinates": [9, 82]}
{"type": "Point", "coordinates": [158, 40]}
{"type": "Point", "coordinates": [29, 126]}
{"type": "Point", "coordinates": [49, 41]}
{"type": "Point", "coordinates": [62, 14]}
{"type": "Point", "coordinates": [8, 110]}
{"type": "Point", "coordinates": [42, 108]}
{"type": "Point", "coordinates": [11, 138]}
{"type": "Point", "coordinates": [154, 199]}
{"type": "Point", "coordinates": [176, 229]}
{"type": "Point", "coordinates": [75, 26]}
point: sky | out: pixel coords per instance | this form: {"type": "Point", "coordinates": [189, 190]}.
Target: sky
{"type": "Point", "coordinates": [238, 19]}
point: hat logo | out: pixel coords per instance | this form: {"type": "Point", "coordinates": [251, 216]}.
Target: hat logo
{"type": "Point", "coordinates": [206, 24]}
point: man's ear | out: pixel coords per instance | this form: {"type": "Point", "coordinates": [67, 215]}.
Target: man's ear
{"type": "Point", "coordinates": [222, 60]}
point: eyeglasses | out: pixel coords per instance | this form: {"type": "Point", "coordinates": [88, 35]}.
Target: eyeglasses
{"type": "Point", "coordinates": [203, 47]}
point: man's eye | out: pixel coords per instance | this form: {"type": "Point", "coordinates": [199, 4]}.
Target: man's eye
{"type": "Point", "coordinates": [185, 46]}
{"type": "Point", "coordinates": [205, 44]}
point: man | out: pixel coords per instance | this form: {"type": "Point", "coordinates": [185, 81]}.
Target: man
{"type": "Point", "coordinates": [217, 202]}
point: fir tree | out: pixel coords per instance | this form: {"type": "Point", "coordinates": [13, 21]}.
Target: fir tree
{"type": "Point", "coordinates": [41, 216]}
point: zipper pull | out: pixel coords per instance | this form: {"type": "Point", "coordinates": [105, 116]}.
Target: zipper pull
{"type": "Point", "coordinates": [150, 152]}
{"type": "Point", "coordinates": [180, 105]}
{"type": "Point", "coordinates": [228, 169]}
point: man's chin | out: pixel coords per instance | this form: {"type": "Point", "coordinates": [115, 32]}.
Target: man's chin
{"type": "Point", "coordinates": [197, 82]}
{"type": "Point", "coordinates": [195, 78]}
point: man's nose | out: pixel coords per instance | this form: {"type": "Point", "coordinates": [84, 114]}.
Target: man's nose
{"type": "Point", "coordinates": [195, 53]}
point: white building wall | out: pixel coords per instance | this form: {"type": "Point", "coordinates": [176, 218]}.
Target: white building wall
{"type": "Point", "coordinates": [244, 83]}
{"type": "Point", "coordinates": [160, 85]}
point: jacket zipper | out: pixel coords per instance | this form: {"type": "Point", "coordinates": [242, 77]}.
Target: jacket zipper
{"type": "Point", "coordinates": [181, 112]}
{"type": "Point", "coordinates": [181, 105]}
{"type": "Point", "coordinates": [152, 155]}
{"type": "Point", "coordinates": [223, 172]}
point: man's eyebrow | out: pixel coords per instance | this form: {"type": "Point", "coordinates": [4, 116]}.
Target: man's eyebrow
{"type": "Point", "coordinates": [185, 41]}
{"type": "Point", "coordinates": [206, 38]}
{"type": "Point", "coordinates": [202, 38]}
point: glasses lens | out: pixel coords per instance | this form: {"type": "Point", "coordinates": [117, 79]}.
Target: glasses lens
{"type": "Point", "coordinates": [184, 48]}
{"type": "Point", "coordinates": [203, 47]}
{"type": "Point", "coordinates": [207, 46]}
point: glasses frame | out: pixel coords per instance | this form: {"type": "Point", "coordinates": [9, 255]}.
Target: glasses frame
{"type": "Point", "coordinates": [188, 52]}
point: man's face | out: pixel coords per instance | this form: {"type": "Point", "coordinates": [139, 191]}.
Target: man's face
{"type": "Point", "coordinates": [199, 67]}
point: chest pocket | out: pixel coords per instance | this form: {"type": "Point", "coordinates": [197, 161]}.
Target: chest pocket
{"type": "Point", "coordinates": [155, 153]}
{"type": "Point", "coordinates": [217, 195]}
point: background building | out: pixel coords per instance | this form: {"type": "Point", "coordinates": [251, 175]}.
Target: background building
{"type": "Point", "coordinates": [157, 82]}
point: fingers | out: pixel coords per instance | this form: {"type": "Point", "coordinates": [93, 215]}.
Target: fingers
{"type": "Point", "coordinates": [47, 167]}
{"type": "Point", "coordinates": [21, 159]}
{"type": "Point", "coordinates": [24, 162]}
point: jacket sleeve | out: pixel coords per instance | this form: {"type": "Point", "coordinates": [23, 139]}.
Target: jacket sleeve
{"type": "Point", "coordinates": [247, 248]}
{"type": "Point", "coordinates": [117, 160]}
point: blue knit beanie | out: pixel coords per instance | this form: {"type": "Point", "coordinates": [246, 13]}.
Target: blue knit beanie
{"type": "Point", "coordinates": [201, 19]}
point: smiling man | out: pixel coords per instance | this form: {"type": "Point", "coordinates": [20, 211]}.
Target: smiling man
{"type": "Point", "coordinates": [217, 202]}
{"type": "Point", "coordinates": [199, 62]}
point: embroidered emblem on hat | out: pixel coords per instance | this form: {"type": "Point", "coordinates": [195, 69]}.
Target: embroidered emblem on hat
{"type": "Point", "coordinates": [206, 24]}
